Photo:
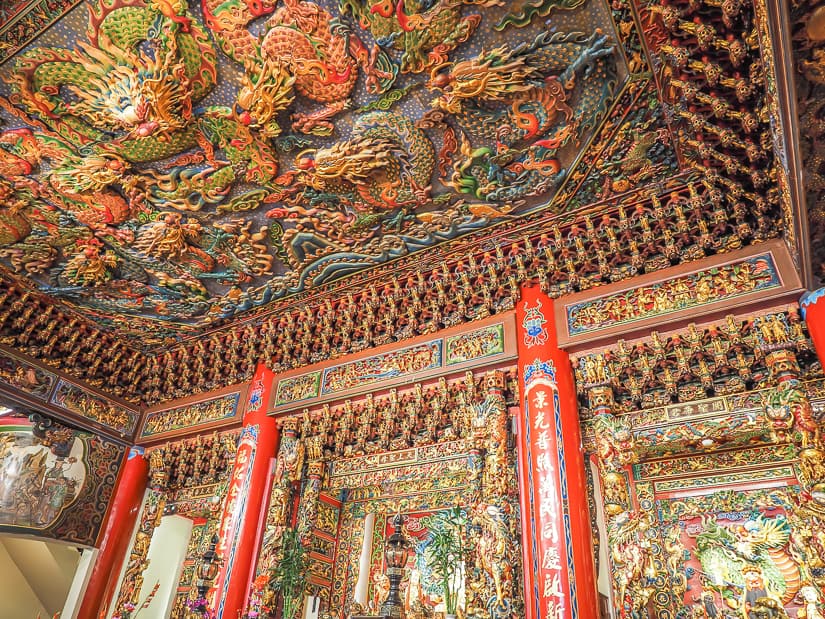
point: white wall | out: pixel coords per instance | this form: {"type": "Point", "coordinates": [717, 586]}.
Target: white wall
{"type": "Point", "coordinates": [35, 576]}
{"type": "Point", "coordinates": [19, 599]}
{"type": "Point", "coordinates": [78, 588]}
{"type": "Point", "coordinates": [167, 552]}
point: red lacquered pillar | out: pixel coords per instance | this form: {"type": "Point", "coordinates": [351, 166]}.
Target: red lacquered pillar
{"type": "Point", "coordinates": [126, 502]}
{"type": "Point", "coordinates": [813, 311]}
{"type": "Point", "coordinates": [246, 497]}
{"type": "Point", "coordinates": [556, 525]}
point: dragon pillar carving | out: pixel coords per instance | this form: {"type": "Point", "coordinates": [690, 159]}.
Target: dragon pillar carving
{"type": "Point", "coordinates": [788, 411]}
{"type": "Point", "coordinates": [614, 439]}
{"type": "Point", "coordinates": [129, 594]}
{"type": "Point", "coordinates": [630, 548]}
{"type": "Point", "coordinates": [807, 541]}
{"type": "Point", "coordinates": [288, 468]}
{"type": "Point", "coordinates": [492, 514]}
{"type": "Point", "coordinates": [632, 559]}
{"type": "Point", "coordinates": [308, 511]}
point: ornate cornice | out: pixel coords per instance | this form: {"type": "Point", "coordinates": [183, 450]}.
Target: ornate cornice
{"type": "Point", "coordinates": [713, 68]}
{"type": "Point", "coordinates": [808, 48]}
{"type": "Point", "coordinates": [34, 324]}
{"type": "Point", "coordinates": [708, 61]}
{"type": "Point", "coordinates": [585, 252]}
{"type": "Point", "coordinates": [776, 33]}
{"type": "Point", "coordinates": [21, 21]}
{"type": "Point", "coordinates": [642, 233]}
{"type": "Point", "coordinates": [724, 357]}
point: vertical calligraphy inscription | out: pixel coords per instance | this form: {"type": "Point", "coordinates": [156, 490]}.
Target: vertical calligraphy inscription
{"type": "Point", "coordinates": [541, 408]}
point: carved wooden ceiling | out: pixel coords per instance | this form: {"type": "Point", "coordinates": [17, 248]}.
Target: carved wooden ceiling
{"type": "Point", "coordinates": [188, 189]}
{"type": "Point", "coordinates": [808, 36]}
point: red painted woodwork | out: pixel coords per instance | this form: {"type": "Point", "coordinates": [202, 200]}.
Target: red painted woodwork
{"type": "Point", "coordinates": [239, 531]}
{"type": "Point", "coordinates": [577, 493]}
{"type": "Point", "coordinates": [126, 503]}
{"type": "Point", "coordinates": [813, 307]}
{"type": "Point", "coordinates": [527, 553]}
{"type": "Point", "coordinates": [555, 515]}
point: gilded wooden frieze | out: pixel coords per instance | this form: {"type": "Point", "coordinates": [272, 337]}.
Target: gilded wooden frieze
{"type": "Point", "coordinates": [25, 376]}
{"type": "Point", "coordinates": [95, 408]}
{"type": "Point", "coordinates": [190, 416]}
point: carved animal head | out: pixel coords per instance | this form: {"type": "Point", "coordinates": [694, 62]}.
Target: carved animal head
{"type": "Point", "coordinates": [496, 76]}
{"type": "Point", "coordinates": [140, 93]}
{"type": "Point", "coordinates": [265, 96]}
{"type": "Point", "coordinates": [346, 161]}
{"type": "Point", "coordinates": [77, 174]}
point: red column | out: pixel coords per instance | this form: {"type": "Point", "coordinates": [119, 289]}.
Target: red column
{"type": "Point", "coordinates": [246, 497]}
{"type": "Point", "coordinates": [813, 311]}
{"type": "Point", "coordinates": [556, 525]}
{"type": "Point", "coordinates": [125, 508]}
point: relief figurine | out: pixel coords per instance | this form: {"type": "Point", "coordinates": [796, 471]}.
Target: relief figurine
{"type": "Point", "coordinates": [812, 468]}
{"type": "Point", "coordinates": [632, 559]}
{"type": "Point", "coordinates": [812, 603]}
{"type": "Point", "coordinates": [807, 541]}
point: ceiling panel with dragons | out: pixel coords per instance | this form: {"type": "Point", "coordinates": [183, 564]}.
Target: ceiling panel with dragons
{"type": "Point", "coordinates": [165, 166]}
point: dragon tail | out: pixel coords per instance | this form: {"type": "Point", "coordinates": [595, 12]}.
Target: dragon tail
{"type": "Point", "coordinates": [789, 571]}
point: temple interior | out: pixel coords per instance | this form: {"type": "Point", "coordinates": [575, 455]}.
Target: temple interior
{"type": "Point", "coordinates": [421, 309]}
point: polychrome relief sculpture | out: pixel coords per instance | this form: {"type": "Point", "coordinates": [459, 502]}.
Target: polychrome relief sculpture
{"type": "Point", "coordinates": [172, 165]}
{"type": "Point", "coordinates": [754, 553]}
{"type": "Point", "coordinates": [630, 553]}
{"type": "Point", "coordinates": [725, 552]}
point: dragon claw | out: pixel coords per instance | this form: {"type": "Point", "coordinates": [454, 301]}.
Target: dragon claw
{"type": "Point", "coordinates": [601, 47]}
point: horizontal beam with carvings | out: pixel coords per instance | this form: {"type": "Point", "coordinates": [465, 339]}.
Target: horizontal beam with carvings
{"type": "Point", "coordinates": [720, 357]}
{"type": "Point", "coordinates": [636, 234]}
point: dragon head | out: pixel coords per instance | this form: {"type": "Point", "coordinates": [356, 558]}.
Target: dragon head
{"type": "Point", "coordinates": [77, 174]}
{"type": "Point", "coordinates": [141, 93]}
{"type": "Point", "coordinates": [353, 161]}
{"type": "Point", "coordinates": [263, 97]}
{"type": "Point", "coordinates": [495, 76]}
{"type": "Point", "coordinates": [765, 532]}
